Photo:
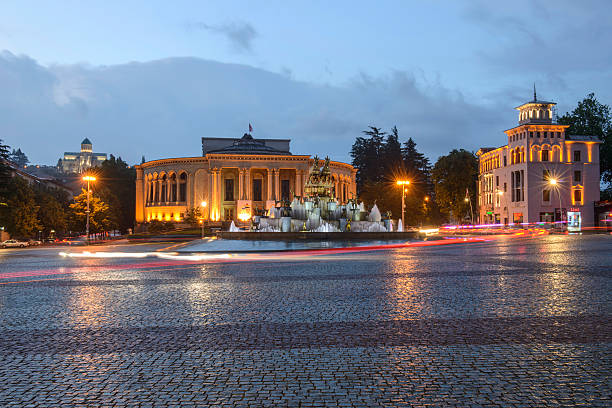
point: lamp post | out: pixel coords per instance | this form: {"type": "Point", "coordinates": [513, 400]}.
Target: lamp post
{"type": "Point", "coordinates": [556, 184]}
{"type": "Point", "coordinates": [468, 200]}
{"type": "Point", "coordinates": [403, 183]}
{"type": "Point", "coordinates": [88, 179]}
{"type": "Point", "coordinates": [203, 204]}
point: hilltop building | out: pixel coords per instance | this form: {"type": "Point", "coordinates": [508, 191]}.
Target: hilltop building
{"type": "Point", "coordinates": [234, 177]}
{"type": "Point", "coordinates": [77, 162]}
{"type": "Point", "coordinates": [541, 175]}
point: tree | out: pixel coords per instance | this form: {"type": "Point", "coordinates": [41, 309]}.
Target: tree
{"type": "Point", "coordinates": [380, 162]}
{"type": "Point", "coordinates": [392, 153]}
{"type": "Point", "coordinates": [19, 158]}
{"type": "Point", "coordinates": [193, 216]}
{"type": "Point", "coordinates": [5, 170]}
{"type": "Point", "coordinates": [452, 175]}
{"type": "Point", "coordinates": [19, 215]}
{"type": "Point", "coordinates": [100, 216]}
{"type": "Point", "coordinates": [591, 117]}
{"type": "Point", "coordinates": [51, 214]}
{"type": "Point", "coordinates": [367, 154]}
{"type": "Point", "coordinates": [116, 183]}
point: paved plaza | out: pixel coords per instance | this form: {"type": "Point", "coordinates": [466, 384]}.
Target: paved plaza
{"type": "Point", "coordinates": [517, 321]}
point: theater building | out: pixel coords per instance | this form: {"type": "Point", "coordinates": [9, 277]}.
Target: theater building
{"type": "Point", "coordinates": [543, 174]}
{"type": "Point", "coordinates": [233, 178]}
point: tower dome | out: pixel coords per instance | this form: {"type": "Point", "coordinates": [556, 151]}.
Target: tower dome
{"type": "Point", "coordinates": [86, 145]}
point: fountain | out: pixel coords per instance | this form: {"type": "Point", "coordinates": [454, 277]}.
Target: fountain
{"type": "Point", "coordinates": [318, 211]}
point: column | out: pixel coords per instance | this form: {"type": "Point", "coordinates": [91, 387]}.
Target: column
{"type": "Point", "coordinates": [140, 195]}
{"type": "Point", "coordinates": [248, 185]}
{"type": "Point", "coordinates": [336, 189]}
{"type": "Point", "coordinates": [240, 184]}
{"type": "Point", "coordinates": [304, 180]}
{"type": "Point", "coordinates": [298, 182]}
{"type": "Point", "coordinates": [213, 205]}
{"type": "Point", "coordinates": [269, 196]}
{"type": "Point", "coordinates": [277, 184]}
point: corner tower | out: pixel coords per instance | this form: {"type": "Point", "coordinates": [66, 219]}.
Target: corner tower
{"type": "Point", "coordinates": [536, 112]}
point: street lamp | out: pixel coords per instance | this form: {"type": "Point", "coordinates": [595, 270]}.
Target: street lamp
{"type": "Point", "coordinates": [468, 200]}
{"type": "Point", "coordinates": [403, 183]}
{"type": "Point", "coordinates": [203, 204]}
{"type": "Point", "coordinates": [556, 184]}
{"type": "Point", "coordinates": [88, 179]}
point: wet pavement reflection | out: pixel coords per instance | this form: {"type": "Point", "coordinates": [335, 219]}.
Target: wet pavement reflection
{"type": "Point", "coordinates": [508, 322]}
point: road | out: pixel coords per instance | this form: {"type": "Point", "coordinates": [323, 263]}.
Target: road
{"type": "Point", "coordinates": [514, 321]}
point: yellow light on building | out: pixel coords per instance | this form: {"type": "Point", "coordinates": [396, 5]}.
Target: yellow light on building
{"type": "Point", "coordinates": [244, 216]}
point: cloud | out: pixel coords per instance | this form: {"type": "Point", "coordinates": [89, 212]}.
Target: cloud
{"type": "Point", "coordinates": [239, 34]}
{"type": "Point", "coordinates": [162, 108]}
{"type": "Point", "coordinates": [559, 38]}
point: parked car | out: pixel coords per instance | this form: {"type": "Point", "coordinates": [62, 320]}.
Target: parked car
{"type": "Point", "coordinates": [34, 242]}
{"type": "Point", "coordinates": [13, 243]}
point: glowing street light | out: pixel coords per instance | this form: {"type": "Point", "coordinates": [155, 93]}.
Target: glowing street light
{"type": "Point", "coordinates": [556, 184]}
{"type": "Point", "coordinates": [403, 183]}
{"type": "Point", "coordinates": [88, 179]}
{"type": "Point", "coordinates": [203, 204]}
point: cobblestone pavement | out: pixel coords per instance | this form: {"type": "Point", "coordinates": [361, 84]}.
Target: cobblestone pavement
{"type": "Point", "coordinates": [513, 322]}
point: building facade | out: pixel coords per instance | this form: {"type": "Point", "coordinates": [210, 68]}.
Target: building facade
{"type": "Point", "coordinates": [77, 162]}
{"type": "Point", "coordinates": [541, 175]}
{"type": "Point", "coordinates": [233, 179]}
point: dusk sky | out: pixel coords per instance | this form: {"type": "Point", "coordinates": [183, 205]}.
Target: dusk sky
{"type": "Point", "coordinates": [153, 77]}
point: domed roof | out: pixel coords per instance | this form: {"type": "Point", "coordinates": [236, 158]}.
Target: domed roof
{"type": "Point", "coordinates": [86, 141]}
{"type": "Point", "coordinates": [247, 145]}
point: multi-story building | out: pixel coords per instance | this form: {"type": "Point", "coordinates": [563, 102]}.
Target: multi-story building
{"type": "Point", "coordinates": [233, 177]}
{"type": "Point", "coordinates": [77, 162]}
{"type": "Point", "coordinates": [541, 175]}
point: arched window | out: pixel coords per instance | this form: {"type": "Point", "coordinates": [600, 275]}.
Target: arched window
{"type": "Point", "coordinates": [164, 188]}
{"type": "Point", "coordinates": [173, 188]}
{"type": "Point", "coordinates": [183, 187]}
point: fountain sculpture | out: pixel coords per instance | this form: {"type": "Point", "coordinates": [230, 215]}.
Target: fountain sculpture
{"type": "Point", "coordinates": [319, 210]}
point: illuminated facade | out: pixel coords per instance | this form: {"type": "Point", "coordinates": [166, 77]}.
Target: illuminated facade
{"type": "Point", "coordinates": [77, 162]}
{"type": "Point", "coordinates": [541, 175]}
{"type": "Point", "coordinates": [233, 179]}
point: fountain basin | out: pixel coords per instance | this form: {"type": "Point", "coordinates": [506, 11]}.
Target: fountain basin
{"type": "Point", "coordinates": [320, 236]}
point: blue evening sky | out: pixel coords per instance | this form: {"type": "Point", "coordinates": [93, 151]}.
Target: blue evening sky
{"type": "Point", "coordinates": [447, 73]}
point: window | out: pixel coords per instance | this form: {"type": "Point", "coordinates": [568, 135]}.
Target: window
{"type": "Point", "coordinates": [173, 192]}
{"type": "Point", "coordinates": [228, 214]}
{"type": "Point", "coordinates": [545, 135]}
{"type": "Point", "coordinates": [576, 155]}
{"type": "Point", "coordinates": [545, 175]}
{"type": "Point", "coordinates": [544, 155]}
{"type": "Point", "coordinates": [257, 190]}
{"type": "Point", "coordinates": [546, 195]}
{"type": "Point", "coordinates": [496, 181]}
{"type": "Point", "coordinates": [285, 189]}
{"type": "Point", "coordinates": [538, 134]}
{"type": "Point", "coordinates": [577, 196]}
{"type": "Point", "coordinates": [531, 135]}
{"type": "Point", "coordinates": [505, 188]}
{"type": "Point", "coordinates": [164, 189]}
{"type": "Point", "coordinates": [578, 176]}
{"type": "Point", "coordinates": [183, 187]}
{"type": "Point", "coordinates": [504, 161]}
{"type": "Point", "coordinates": [229, 190]}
